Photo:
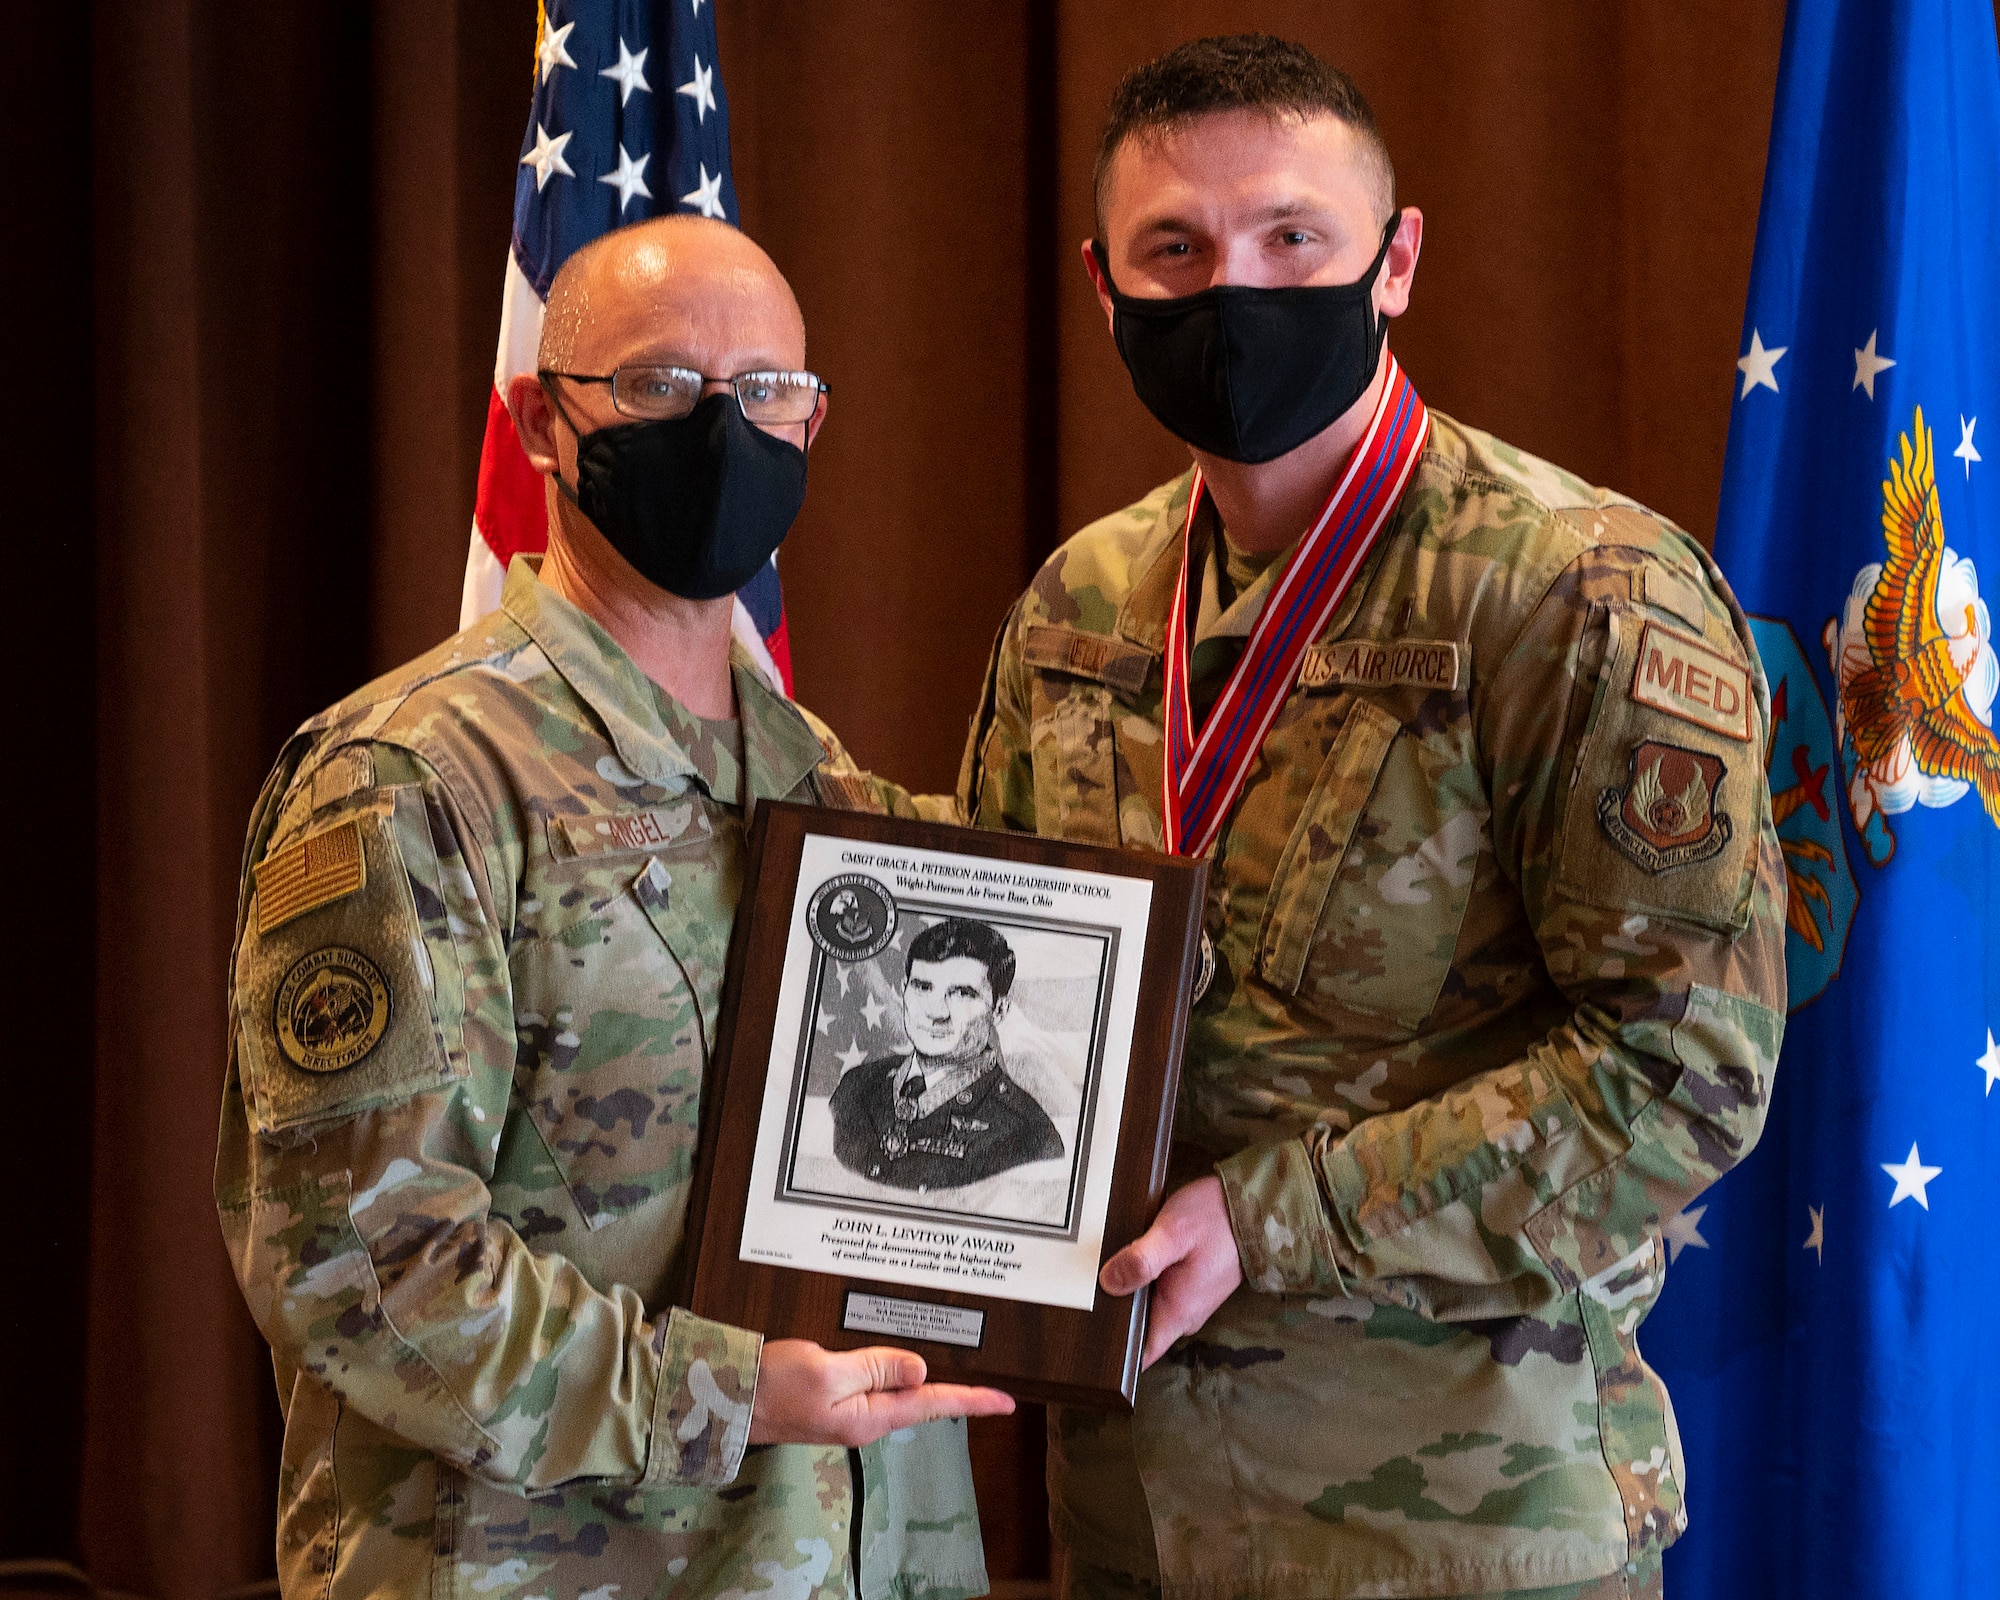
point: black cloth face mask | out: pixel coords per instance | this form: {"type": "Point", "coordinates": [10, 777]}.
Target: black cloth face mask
{"type": "Point", "coordinates": [1249, 373]}
{"type": "Point", "coordinates": [697, 504]}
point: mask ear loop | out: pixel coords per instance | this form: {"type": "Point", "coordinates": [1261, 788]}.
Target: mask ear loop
{"type": "Point", "coordinates": [1374, 276]}
{"type": "Point", "coordinates": [1104, 266]}
{"type": "Point", "coordinates": [555, 400]}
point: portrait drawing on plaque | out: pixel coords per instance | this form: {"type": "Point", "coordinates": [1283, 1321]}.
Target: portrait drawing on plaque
{"type": "Point", "coordinates": [949, 1053]}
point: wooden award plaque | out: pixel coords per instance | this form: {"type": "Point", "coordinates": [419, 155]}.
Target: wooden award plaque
{"type": "Point", "coordinates": [943, 1093]}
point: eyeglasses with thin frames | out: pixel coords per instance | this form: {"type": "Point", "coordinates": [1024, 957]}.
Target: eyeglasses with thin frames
{"type": "Point", "coordinates": [664, 393]}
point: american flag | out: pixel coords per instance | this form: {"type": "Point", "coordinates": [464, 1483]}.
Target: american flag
{"type": "Point", "coordinates": [628, 121]}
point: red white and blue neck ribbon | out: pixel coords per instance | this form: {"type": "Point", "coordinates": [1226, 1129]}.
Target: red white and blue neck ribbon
{"type": "Point", "coordinates": [1204, 775]}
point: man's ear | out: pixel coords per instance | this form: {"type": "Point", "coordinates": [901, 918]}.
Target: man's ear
{"type": "Point", "coordinates": [818, 419]}
{"type": "Point", "coordinates": [534, 421]}
{"type": "Point", "coordinates": [1098, 280]}
{"type": "Point", "coordinates": [1000, 1006]}
{"type": "Point", "coordinates": [1392, 292]}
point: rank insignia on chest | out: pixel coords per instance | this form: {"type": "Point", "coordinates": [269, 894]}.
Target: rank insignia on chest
{"type": "Point", "coordinates": [1665, 816]}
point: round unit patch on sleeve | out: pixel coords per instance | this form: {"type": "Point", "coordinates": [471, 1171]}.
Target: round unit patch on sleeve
{"type": "Point", "coordinates": [331, 1009]}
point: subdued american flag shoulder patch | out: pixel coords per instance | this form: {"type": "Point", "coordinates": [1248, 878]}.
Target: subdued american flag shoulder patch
{"type": "Point", "coordinates": [311, 873]}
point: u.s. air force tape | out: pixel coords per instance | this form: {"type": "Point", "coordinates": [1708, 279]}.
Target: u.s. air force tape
{"type": "Point", "coordinates": [1381, 664]}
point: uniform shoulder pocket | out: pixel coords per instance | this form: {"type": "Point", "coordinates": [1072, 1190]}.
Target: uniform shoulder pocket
{"type": "Point", "coordinates": [1075, 762]}
{"type": "Point", "coordinates": [337, 986]}
{"type": "Point", "coordinates": [1668, 794]}
{"type": "Point", "coordinates": [1079, 680]}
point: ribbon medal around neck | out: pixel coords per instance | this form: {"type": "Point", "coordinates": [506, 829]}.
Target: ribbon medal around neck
{"type": "Point", "coordinates": [1204, 774]}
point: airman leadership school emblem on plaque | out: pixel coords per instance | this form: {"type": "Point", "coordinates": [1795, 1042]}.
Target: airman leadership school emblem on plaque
{"type": "Point", "coordinates": [1665, 816]}
{"type": "Point", "coordinates": [331, 1010]}
{"type": "Point", "coordinates": [852, 917]}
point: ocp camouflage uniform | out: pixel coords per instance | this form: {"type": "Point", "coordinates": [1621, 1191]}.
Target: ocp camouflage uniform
{"type": "Point", "coordinates": [1474, 1036]}
{"type": "Point", "coordinates": [484, 912]}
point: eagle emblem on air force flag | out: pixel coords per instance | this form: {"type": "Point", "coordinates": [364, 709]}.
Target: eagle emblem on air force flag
{"type": "Point", "coordinates": [1914, 664]}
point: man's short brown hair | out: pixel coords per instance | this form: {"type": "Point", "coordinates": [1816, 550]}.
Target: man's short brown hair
{"type": "Point", "coordinates": [1233, 72]}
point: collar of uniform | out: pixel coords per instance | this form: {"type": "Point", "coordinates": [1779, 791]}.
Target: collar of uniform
{"type": "Point", "coordinates": [941, 1083]}
{"type": "Point", "coordinates": [1143, 616]}
{"type": "Point", "coordinates": [1235, 620]}
{"type": "Point", "coordinates": [625, 699]}
{"type": "Point", "coordinates": [779, 745]}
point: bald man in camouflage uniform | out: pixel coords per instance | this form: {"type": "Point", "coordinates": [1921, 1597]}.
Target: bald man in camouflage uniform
{"type": "Point", "coordinates": [1498, 927]}
{"type": "Point", "coordinates": [484, 915]}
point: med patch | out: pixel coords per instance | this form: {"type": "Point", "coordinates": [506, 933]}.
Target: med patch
{"type": "Point", "coordinates": [1666, 804]}
{"type": "Point", "coordinates": [1686, 679]}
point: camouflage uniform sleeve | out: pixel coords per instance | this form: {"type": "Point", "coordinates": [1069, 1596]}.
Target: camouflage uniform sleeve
{"type": "Point", "coordinates": [1559, 1168]}
{"type": "Point", "coordinates": [842, 782]}
{"type": "Point", "coordinates": [996, 778]}
{"type": "Point", "coordinates": [372, 1045]}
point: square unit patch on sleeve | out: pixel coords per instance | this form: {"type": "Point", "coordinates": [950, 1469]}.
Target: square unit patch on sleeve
{"type": "Point", "coordinates": [1686, 679]}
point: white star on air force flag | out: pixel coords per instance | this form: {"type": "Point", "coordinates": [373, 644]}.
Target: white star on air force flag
{"type": "Point", "coordinates": [1989, 1062]}
{"type": "Point", "coordinates": [1759, 366]}
{"type": "Point", "coordinates": [1912, 1177]}
{"type": "Point", "coordinates": [1867, 364]}
{"type": "Point", "coordinates": [1966, 451]}
{"type": "Point", "coordinates": [1683, 1232]}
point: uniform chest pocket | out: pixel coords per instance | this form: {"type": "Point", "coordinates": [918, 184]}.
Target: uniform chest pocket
{"type": "Point", "coordinates": [611, 1032]}
{"type": "Point", "coordinates": [1075, 761]}
{"type": "Point", "coordinates": [1374, 881]}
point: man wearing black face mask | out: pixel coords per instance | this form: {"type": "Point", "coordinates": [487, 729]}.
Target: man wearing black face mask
{"type": "Point", "coordinates": [484, 916]}
{"type": "Point", "coordinates": [1496, 917]}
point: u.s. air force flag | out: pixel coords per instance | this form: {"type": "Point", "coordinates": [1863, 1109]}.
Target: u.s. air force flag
{"type": "Point", "coordinates": [1831, 1329]}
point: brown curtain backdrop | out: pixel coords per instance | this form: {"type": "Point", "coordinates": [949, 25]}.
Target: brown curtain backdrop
{"type": "Point", "coordinates": [287, 271]}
